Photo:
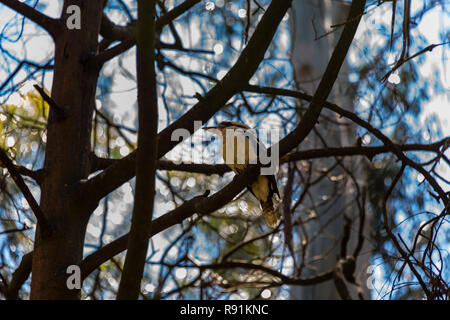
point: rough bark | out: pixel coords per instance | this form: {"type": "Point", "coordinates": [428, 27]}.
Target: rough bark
{"type": "Point", "coordinates": [67, 155]}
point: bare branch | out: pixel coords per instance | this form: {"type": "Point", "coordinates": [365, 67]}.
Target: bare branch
{"type": "Point", "coordinates": [200, 204]}
{"type": "Point", "coordinates": [126, 34]}
{"type": "Point", "coordinates": [114, 32]}
{"type": "Point", "coordinates": [61, 111]}
{"type": "Point", "coordinates": [325, 276]}
{"type": "Point", "coordinates": [394, 238]}
{"type": "Point", "coordinates": [239, 75]}
{"type": "Point", "coordinates": [403, 60]}
{"type": "Point", "coordinates": [51, 25]}
{"type": "Point", "coordinates": [311, 116]}
{"type": "Point", "coordinates": [133, 269]}
{"type": "Point", "coordinates": [377, 133]}
{"type": "Point", "coordinates": [98, 163]}
{"type": "Point", "coordinates": [42, 220]}
{"type": "Point", "coordinates": [19, 276]}
{"type": "Point", "coordinates": [338, 277]}
{"type": "Point", "coordinates": [36, 175]}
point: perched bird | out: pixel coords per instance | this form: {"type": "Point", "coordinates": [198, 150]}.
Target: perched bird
{"type": "Point", "coordinates": [239, 147]}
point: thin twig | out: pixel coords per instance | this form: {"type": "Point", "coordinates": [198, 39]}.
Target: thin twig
{"type": "Point", "coordinates": [61, 111]}
{"type": "Point", "coordinates": [25, 191]}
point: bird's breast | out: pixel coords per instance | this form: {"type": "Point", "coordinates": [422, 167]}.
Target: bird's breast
{"type": "Point", "coordinates": [261, 188]}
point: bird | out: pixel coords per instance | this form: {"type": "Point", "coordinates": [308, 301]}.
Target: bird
{"type": "Point", "coordinates": [239, 148]}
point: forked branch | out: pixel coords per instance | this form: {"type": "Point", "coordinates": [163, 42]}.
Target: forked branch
{"type": "Point", "coordinates": [51, 25]}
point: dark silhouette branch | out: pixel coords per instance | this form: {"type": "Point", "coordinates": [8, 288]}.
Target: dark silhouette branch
{"type": "Point", "coordinates": [240, 73]}
{"type": "Point", "coordinates": [46, 66]}
{"type": "Point", "coordinates": [238, 76]}
{"type": "Point", "coordinates": [15, 175]}
{"type": "Point", "coordinates": [173, 14]}
{"type": "Point", "coordinates": [312, 114]}
{"type": "Point", "coordinates": [19, 277]}
{"type": "Point", "coordinates": [14, 230]}
{"type": "Point", "coordinates": [60, 110]}
{"type": "Point", "coordinates": [399, 153]}
{"type": "Point", "coordinates": [130, 282]}
{"type": "Point", "coordinates": [113, 32]}
{"type": "Point", "coordinates": [98, 163]}
{"type": "Point", "coordinates": [403, 60]}
{"type": "Point", "coordinates": [201, 205]}
{"type": "Point", "coordinates": [325, 276]}
{"type": "Point", "coordinates": [51, 25]}
{"type": "Point", "coordinates": [339, 282]}
{"type": "Point", "coordinates": [377, 133]}
{"type": "Point", "coordinates": [36, 175]}
{"type": "Point", "coordinates": [394, 239]}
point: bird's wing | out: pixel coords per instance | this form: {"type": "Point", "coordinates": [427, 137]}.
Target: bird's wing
{"type": "Point", "coordinates": [258, 145]}
{"type": "Point", "coordinates": [273, 185]}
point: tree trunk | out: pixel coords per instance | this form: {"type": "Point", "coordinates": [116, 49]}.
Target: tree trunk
{"type": "Point", "coordinates": [310, 54]}
{"type": "Point", "coordinates": [130, 282]}
{"type": "Point", "coordinates": [67, 153]}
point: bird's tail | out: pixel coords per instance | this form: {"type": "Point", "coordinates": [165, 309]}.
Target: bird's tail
{"type": "Point", "coordinates": [270, 214]}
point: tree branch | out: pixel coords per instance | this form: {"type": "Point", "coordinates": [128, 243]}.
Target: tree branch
{"type": "Point", "coordinates": [339, 282]}
{"type": "Point", "coordinates": [238, 76]}
{"type": "Point", "coordinates": [403, 60]}
{"type": "Point", "coordinates": [369, 152]}
{"type": "Point", "coordinates": [387, 142]}
{"type": "Point", "coordinates": [36, 175]}
{"type": "Point", "coordinates": [311, 116]}
{"type": "Point", "coordinates": [201, 205]}
{"type": "Point", "coordinates": [325, 276]}
{"type": "Point", "coordinates": [175, 13]}
{"type": "Point", "coordinates": [99, 163]}
{"type": "Point", "coordinates": [113, 32]}
{"type": "Point", "coordinates": [51, 25]}
{"type": "Point", "coordinates": [130, 282]}
{"type": "Point", "coordinates": [60, 110]}
{"type": "Point", "coordinates": [404, 255]}
{"type": "Point", "coordinates": [377, 133]}
{"type": "Point", "coordinates": [42, 220]}
{"type": "Point", "coordinates": [19, 277]}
